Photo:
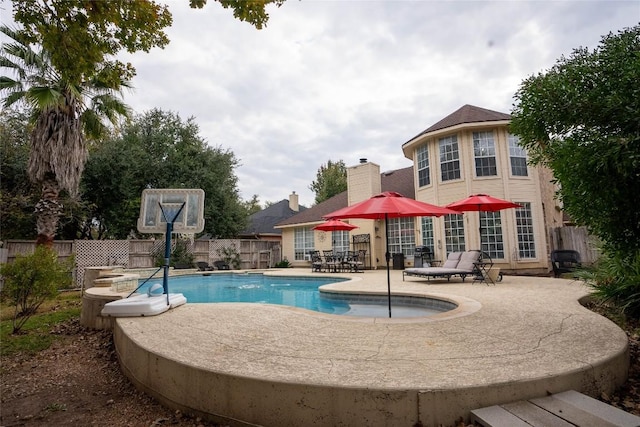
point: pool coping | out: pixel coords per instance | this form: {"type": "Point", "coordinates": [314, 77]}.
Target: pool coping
{"type": "Point", "coordinates": [243, 364]}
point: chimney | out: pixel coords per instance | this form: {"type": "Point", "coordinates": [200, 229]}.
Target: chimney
{"type": "Point", "coordinates": [363, 181]}
{"type": "Point", "coordinates": [293, 202]}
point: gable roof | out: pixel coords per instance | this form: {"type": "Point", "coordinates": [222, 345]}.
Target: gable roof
{"type": "Point", "coordinates": [263, 221]}
{"type": "Point", "coordinates": [463, 115]}
{"type": "Point", "coordinates": [399, 180]}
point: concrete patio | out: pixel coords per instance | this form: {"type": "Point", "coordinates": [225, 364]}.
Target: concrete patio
{"type": "Point", "coordinates": [249, 364]}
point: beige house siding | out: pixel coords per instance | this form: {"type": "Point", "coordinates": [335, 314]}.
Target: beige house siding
{"type": "Point", "coordinates": [503, 185]}
{"type": "Point", "coordinates": [288, 253]}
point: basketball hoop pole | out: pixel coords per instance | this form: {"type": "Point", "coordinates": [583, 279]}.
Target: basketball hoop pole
{"type": "Point", "coordinates": [167, 247]}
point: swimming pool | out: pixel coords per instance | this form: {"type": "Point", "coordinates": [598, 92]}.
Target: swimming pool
{"type": "Point", "coordinates": [299, 292]}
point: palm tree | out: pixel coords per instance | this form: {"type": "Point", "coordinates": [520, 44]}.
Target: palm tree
{"type": "Point", "coordinates": [65, 114]}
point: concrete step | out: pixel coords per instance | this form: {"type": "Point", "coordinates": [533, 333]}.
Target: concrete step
{"type": "Point", "coordinates": [566, 409]}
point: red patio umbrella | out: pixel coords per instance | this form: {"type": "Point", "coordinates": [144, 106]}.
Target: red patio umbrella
{"type": "Point", "coordinates": [335, 225]}
{"type": "Point", "coordinates": [389, 205]}
{"type": "Point", "coordinates": [481, 203]}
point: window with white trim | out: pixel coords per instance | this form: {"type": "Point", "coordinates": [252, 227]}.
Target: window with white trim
{"type": "Point", "coordinates": [402, 237]}
{"type": "Point", "coordinates": [454, 233]}
{"type": "Point", "coordinates": [449, 158]}
{"type": "Point", "coordinates": [303, 243]}
{"type": "Point", "coordinates": [484, 152]}
{"type": "Point", "coordinates": [340, 241]}
{"type": "Point", "coordinates": [517, 156]}
{"type": "Point", "coordinates": [524, 225]}
{"type": "Point", "coordinates": [491, 238]}
{"type": "Point", "coordinates": [427, 233]}
{"type": "Point", "coordinates": [422, 154]}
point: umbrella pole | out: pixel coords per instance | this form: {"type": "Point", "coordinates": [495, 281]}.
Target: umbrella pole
{"type": "Point", "coordinates": [387, 255]}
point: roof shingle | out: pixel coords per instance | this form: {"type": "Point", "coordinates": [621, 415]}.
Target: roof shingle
{"type": "Point", "coordinates": [400, 180]}
{"type": "Point", "coordinates": [465, 114]}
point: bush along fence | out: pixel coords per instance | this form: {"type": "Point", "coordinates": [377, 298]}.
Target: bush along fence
{"type": "Point", "coordinates": [133, 254]}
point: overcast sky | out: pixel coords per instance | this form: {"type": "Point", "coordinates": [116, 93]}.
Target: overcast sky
{"type": "Point", "coordinates": [343, 80]}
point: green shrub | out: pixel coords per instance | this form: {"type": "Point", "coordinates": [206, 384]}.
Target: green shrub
{"type": "Point", "coordinates": [32, 279]}
{"type": "Point", "coordinates": [616, 279]}
{"type": "Point", "coordinates": [230, 255]}
{"type": "Point", "coordinates": [180, 256]}
{"type": "Point", "coordinates": [283, 264]}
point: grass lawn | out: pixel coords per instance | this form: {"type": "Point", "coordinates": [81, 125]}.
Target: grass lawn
{"type": "Point", "coordinates": [36, 334]}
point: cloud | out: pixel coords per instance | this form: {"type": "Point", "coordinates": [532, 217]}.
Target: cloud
{"type": "Point", "coordinates": [345, 80]}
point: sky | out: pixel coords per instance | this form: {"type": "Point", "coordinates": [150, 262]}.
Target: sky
{"type": "Point", "coordinates": [345, 80]}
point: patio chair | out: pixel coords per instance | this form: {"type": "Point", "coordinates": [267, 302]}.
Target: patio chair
{"type": "Point", "coordinates": [204, 266]}
{"type": "Point", "coordinates": [317, 264]}
{"type": "Point", "coordinates": [356, 260]}
{"type": "Point", "coordinates": [331, 260]}
{"type": "Point", "coordinates": [565, 261]}
{"type": "Point", "coordinates": [221, 265]}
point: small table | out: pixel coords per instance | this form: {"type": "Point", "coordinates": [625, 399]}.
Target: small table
{"type": "Point", "coordinates": [482, 272]}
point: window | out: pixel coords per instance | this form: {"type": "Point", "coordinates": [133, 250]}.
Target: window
{"type": "Point", "coordinates": [518, 157]}
{"type": "Point", "coordinates": [303, 242]}
{"type": "Point", "coordinates": [454, 233]}
{"type": "Point", "coordinates": [524, 224]}
{"type": "Point", "coordinates": [423, 165]}
{"type": "Point", "coordinates": [340, 240]}
{"type": "Point", "coordinates": [402, 238]}
{"type": "Point", "coordinates": [449, 158]}
{"type": "Point", "coordinates": [484, 151]}
{"type": "Point", "coordinates": [491, 234]}
{"type": "Point", "coordinates": [427, 233]}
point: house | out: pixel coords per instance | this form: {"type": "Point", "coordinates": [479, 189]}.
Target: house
{"type": "Point", "coordinates": [471, 151]}
{"type": "Point", "coordinates": [262, 223]}
{"type": "Point", "coordinates": [468, 152]}
{"type": "Point", "coordinates": [363, 181]}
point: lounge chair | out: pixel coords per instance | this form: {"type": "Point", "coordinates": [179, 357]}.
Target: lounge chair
{"type": "Point", "coordinates": [457, 264]}
{"type": "Point", "coordinates": [221, 265]}
{"type": "Point", "coordinates": [564, 261]}
{"type": "Point", "coordinates": [203, 266]}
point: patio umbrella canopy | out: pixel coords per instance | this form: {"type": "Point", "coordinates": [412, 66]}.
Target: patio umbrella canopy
{"type": "Point", "coordinates": [335, 225]}
{"type": "Point", "coordinates": [389, 205]}
{"type": "Point", "coordinates": [481, 203]}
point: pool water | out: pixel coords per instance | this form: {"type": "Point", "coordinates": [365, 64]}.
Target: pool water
{"type": "Point", "coordinates": [291, 291]}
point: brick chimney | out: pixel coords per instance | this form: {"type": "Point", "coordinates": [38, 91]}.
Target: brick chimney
{"type": "Point", "coordinates": [293, 202]}
{"type": "Point", "coordinates": [363, 181]}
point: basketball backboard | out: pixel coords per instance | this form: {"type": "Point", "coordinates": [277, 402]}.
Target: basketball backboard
{"type": "Point", "coordinates": [160, 205]}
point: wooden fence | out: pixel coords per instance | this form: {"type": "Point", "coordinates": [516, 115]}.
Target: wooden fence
{"type": "Point", "coordinates": [254, 254]}
{"type": "Point", "coordinates": [576, 238]}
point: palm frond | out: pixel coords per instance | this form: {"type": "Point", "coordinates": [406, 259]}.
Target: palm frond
{"type": "Point", "coordinates": [13, 97]}
{"type": "Point", "coordinates": [45, 97]}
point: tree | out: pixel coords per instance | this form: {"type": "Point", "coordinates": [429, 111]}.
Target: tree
{"type": "Point", "coordinates": [63, 112]}
{"type": "Point", "coordinates": [79, 41]}
{"type": "Point", "coordinates": [17, 194]}
{"type": "Point", "coordinates": [160, 150]}
{"type": "Point", "coordinates": [331, 179]}
{"type": "Point", "coordinates": [252, 206]}
{"type": "Point", "coordinates": [252, 12]}
{"type": "Point", "coordinates": [581, 119]}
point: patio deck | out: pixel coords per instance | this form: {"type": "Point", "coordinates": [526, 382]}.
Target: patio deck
{"type": "Point", "coordinates": [248, 364]}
